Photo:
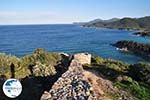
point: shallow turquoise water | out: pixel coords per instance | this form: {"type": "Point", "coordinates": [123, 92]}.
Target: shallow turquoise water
{"type": "Point", "coordinates": [23, 39]}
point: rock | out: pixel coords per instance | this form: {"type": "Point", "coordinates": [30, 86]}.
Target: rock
{"type": "Point", "coordinates": [83, 58]}
{"type": "Point", "coordinates": [43, 70]}
{"type": "Point", "coordinates": [119, 78]}
{"type": "Point", "coordinates": [46, 95]}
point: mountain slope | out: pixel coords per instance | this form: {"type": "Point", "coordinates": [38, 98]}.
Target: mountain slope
{"type": "Point", "coordinates": [124, 23]}
{"type": "Point", "coordinates": [97, 21]}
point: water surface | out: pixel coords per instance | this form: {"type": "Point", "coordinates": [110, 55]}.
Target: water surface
{"type": "Point", "coordinates": [23, 39]}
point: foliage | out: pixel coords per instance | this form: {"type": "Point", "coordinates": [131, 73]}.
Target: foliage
{"type": "Point", "coordinates": [111, 69]}
{"type": "Point", "coordinates": [46, 59]}
{"type": "Point", "coordinates": [108, 68]}
{"type": "Point", "coordinates": [97, 60]}
{"type": "Point", "coordinates": [116, 65]}
{"type": "Point", "coordinates": [133, 87]}
{"type": "Point", "coordinates": [42, 56]}
{"type": "Point", "coordinates": [140, 72]}
{"type": "Point", "coordinates": [5, 62]}
{"type": "Point", "coordinates": [124, 23]}
{"type": "Point", "coordinates": [110, 63]}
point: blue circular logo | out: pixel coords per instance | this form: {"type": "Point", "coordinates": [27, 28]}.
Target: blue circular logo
{"type": "Point", "coordinates": [12, 88]}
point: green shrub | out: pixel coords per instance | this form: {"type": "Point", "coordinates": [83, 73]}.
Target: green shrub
{"type": "Point", "coordinates": [46, 59]}
{"type": "Point", "coordinates": [97, 60]}
{"type": "Point", "coordinates": [5, 62]}
{"type": "Point", "coordinates": [42, 56]}
{"type": "Point", "coordinates": [116, 65]}
{"type": "Point", "coordinates": [42, 59]}
{"type": "Point", "coordinates": [109, 63]}
{"type": "Point", "coordinates": [133, 87]}
{"type": "Point", "coordinates": [140, 72]}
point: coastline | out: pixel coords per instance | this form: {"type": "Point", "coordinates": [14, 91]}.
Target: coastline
{"type": "Point", "coordinates": [140, 49]}
{"type": "Point", "coordinates": [137, 32]}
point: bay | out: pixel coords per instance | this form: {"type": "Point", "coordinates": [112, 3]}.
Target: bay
{"type": "Point", "coordinates": [20, 40]}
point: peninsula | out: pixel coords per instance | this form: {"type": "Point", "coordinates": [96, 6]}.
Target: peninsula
{"type": "Point", "coordinates": [142, 49]}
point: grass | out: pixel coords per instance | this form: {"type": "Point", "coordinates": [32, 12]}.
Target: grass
{"type": "Point", "coordinates": [139, 91]}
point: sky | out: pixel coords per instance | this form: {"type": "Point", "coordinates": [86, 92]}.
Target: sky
{"type": "Point", "coordinates": [68, 11]}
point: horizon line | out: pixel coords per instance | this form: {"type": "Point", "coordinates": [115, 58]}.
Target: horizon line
{"type": "Point", "coordinates": [36, 24]}
{"type": "Point", "coordinates": [11, 24]}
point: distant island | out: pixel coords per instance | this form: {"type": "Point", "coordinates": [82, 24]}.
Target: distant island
{"type": "Point", "coordinates": [140, 24]}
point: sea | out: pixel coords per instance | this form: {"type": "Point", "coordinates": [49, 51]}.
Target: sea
{"type": "Point", "coordinates": [20, 40]}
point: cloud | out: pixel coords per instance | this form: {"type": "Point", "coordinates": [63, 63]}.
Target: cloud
{"type": "Point", "coordinates": [8, 17]}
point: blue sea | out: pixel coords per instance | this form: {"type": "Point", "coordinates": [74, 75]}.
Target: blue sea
{"type": "Point", "coordinates": [20, 40]}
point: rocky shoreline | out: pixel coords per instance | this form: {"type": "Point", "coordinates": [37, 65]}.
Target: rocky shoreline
{"type": "Point", "coordinates": [142, 33]}
{"type": "Point", "coordinates": [142, 49]}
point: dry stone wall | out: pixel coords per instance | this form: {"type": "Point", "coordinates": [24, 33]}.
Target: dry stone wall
{"type": "Point", "coordinates": [72, 85]}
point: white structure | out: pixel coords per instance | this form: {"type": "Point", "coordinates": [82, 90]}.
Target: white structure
{"type": "Point", "coordinates": [83, 58]}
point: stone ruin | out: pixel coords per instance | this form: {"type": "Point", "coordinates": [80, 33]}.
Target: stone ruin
{"type": "Point", "coordinates": [83, 58]}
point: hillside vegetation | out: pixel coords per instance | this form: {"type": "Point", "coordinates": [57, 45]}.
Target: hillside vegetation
{"type": "Point", "coordinates": [142, 24]}
{"type": "Point", "coordinates": [132, 78]}
{"type": "Point", "coordinates": [125, 23]}
{"type": "Point", "coordinates": [40, 63]}
{"type": "Point", "coordinates": [135, 79]}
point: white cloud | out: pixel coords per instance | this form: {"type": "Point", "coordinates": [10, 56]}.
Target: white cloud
{"type": "Point", "coordinates": [8, 17]}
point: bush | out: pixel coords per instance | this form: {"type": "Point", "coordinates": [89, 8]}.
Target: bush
{"type": "Point", "coordinates": [42, 56]}
{"type": "Point", "coordinates": [49, 60]}
{"type": "Point", "coordinates": [133, 87]}
{"type": "Point", "coordinates": [97, 60]}
{"type": "Point", "coordinates": [5, 62]}
{"type": "Point", "coordinates": [116, 65]}
{"type": "Point", "coordinates": [109, 63]}
{"type": "Point", "coordinates": [140, 72]}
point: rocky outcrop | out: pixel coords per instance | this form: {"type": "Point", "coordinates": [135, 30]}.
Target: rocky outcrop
{"type": "Point", "coordinates": [142, 49]}
{"type": "Point", "coordinates": [72, 85]}
{"type": "Point", "coordinates": [143, 34]}
{"type": "Point", "coordinates": [43, 70]}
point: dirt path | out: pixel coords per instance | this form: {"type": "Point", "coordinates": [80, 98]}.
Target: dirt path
{"type": "Point", "coordinates": [97, 86]}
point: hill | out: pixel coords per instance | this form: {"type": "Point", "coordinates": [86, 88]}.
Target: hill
{"type": "Point", "coordinates": [97, 21]}
{"type": "Point", "coordinates": [142, 24]}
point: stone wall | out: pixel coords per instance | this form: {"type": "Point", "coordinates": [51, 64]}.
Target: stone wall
{"type": "Point", "coordinates": [72, 85]}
